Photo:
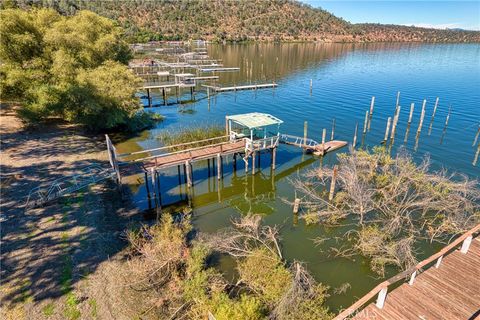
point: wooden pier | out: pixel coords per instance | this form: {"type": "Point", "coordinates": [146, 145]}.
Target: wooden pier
{"type": "Point", "coordinates": [443, 286]}
{"type": "Point", "coordinates": [165, 87]}
{"type": "Point", "coordinates": [244, 87]}
{"type": "Point", "coordinates": [311, 145]}
{"type": "Point", "coordinates": [223, 69]}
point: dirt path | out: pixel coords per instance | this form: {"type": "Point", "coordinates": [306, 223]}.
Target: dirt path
{"type": "Point", "coordinates": [49, 255]}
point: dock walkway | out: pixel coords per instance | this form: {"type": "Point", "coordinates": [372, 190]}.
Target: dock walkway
{"type": "Point", "coordinates": [312, 145]}
{"type": "Point", "coordinates": [244, 87]}
{"type": "Point", "coordinates": [448, 290]}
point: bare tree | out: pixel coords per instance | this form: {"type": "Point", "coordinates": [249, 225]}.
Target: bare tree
{"type": "Point", "coordinates": [403, 202]}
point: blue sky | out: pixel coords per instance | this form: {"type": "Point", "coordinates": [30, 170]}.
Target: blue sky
{"type": "Point", "coordinates": [435, 14]}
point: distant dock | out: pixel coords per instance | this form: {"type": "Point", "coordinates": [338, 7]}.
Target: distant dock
{"type": "Point", "coordinates": [244, 87]}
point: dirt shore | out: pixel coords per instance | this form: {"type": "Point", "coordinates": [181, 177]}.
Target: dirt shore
{"type": "Point", "coordinates": [53, 258]}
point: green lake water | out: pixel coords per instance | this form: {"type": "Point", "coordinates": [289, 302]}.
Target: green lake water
{"type": "Point", "coordinates": [344, 78]}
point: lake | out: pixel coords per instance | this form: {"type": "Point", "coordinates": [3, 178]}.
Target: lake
{"type": "Point", "coordinates": [344, 78]}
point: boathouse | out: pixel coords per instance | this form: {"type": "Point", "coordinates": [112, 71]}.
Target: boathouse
{"type": "Point", "coordinates": [253, 125]}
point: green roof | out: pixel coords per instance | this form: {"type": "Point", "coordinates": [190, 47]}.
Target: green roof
{"type": "Point", "coordinates": [255, 120]}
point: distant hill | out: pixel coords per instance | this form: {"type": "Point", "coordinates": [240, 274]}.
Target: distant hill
{"type": "Point", "coordinates": [264, 20]}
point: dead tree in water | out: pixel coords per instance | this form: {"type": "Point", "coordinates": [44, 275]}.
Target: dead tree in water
{"type": "Point", "coordinates": [396, 203]}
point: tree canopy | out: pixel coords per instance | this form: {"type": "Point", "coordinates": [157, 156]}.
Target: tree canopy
{"type": "Point", "coordinates": [68, 67]}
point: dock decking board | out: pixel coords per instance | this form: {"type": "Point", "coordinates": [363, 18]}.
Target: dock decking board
{"type": "Point", "coordinates": [449, 292]}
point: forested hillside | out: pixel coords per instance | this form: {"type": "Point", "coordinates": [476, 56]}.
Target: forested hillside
{"type": "Point", "coordinates": [267, 20]}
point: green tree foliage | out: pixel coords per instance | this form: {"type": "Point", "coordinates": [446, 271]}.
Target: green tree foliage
{"type": "Point", "coordinates": [68, 67]}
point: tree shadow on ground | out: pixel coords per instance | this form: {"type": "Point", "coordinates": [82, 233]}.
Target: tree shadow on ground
{"type": "Point", "coordinates": [45, 251]}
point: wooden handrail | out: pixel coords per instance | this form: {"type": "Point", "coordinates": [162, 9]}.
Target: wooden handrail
{"type": "Point", "coordinates": [169, 147]}
{"type": "Point", "coordinates": [407, 273]}
{"type": "Point", "coordinates": [183, 151]}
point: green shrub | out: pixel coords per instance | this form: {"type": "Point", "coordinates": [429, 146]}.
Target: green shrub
{"type": "Point", "coordinates": [71, 68]}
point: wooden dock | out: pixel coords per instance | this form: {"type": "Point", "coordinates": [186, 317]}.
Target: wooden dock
{"type": "Point", "coordinates": [193, 154]}
{"type": "Point", "coordinates": [238, 88]}
{"type": "Point", "coordinates": [443, 286]}
{"type": "Point", "coordinates": [223, 69]}
{"type": "Point", "coordinates": [311, 145]}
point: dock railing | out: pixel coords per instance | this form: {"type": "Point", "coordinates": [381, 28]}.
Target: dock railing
{"type": "Point", "coordinates": [261, 144]}
{"type": "Point", "coordinates": [185, 147]}
{"type": "Point", "coordinates": [298, 141]}
{"type": "Point", "coordinates": [381, 290]}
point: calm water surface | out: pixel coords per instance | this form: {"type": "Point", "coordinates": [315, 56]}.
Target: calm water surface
{"type": "Point", "coordinates": [344, 78]}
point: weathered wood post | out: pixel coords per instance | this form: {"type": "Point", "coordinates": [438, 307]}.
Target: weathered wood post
{"type": "Point", "coordinates": [219, 166]}
{"type": "Point", "coordinates": [149, 98]}
{"type": "Point", "coordinates": [333, 129]}
{"type": "Point", "coordinates": [387, 130]}
{"type": "Point", "coordinates": [227, 131]}
{"type": "Point", "coordinates": [305, 130]}
{"type": "Point", "coordinates": [365, 123]}
{"type": "Point", "coordinates": [398, 99]}
{"type": "Point", "coordinates": [324, 136]}
{"type": "Point", "coordinates": [332, 184]}
{"type": "Point", "coordinates": [412, 107]}
{"type": "Point", "coordinates": [188, 168]}
{"type": "Point", "coordinates": [422, 116]}
{"type": "Point", "coordinates": [253, 162]}
{"type": "Point", "coordinates": [448, 116]}
{"type": "Point", "coordinates": [311, 85]}
{"type": "Point", "coordinates": [147, 187]}
{"type": "Point", "coordinates": [476, 136]}
{"type": "Point", "coordinates": [355, 136]}
{"type": "Point", "coordinates": [296, 205]}
{"type": "Point", "coordinates": [274, 156]}
{"type": "Point", "coordinates": [382, 295]}
{"type": "Point", "coordinates": [371, 105]}
{"type": "Point", "coordinates": [152, 175]}
{"type": "Point", "coordinates": [435, 108]}
{"type": "Point", "coordinates": [395, 121]}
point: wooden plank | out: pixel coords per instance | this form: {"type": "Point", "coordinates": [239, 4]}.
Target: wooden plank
{"type": "Point", "coordinates": [449, 292]}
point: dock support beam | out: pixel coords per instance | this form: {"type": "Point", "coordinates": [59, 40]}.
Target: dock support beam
{"type": "Point", "coordinates": [219, 166]}
{"type": "Point", "coordinates": [253, 162]}
{"type": "Point", "coordinates": [149, 98]}
{"type": "Point", "coordinates": [274, 156]}
{"type": "Point", "coordinates": [188, 168]}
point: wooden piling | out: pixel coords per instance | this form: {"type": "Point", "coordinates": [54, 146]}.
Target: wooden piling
{"type": "Point", "coordinates": [398, 99]}
{"type": "Point", "coordinates": [365, 123]}
{"type": "Point", "coordinates": [355, 136]}
{"type": "Point", "coordinates": [412, 107]}
{"type": "Point", "coordinates": [219, 166]}
{"type": "Point", "coordinates": [227, 131]}
{"type": "Point", "coordinates": [324, 136]}
{"type": "Point", "coordinates": [274, 156]}
{"type": "Point", "coordinates": [253, 162]}
{"type": "Point", "coordinates": [476, 136]}
{"type": "Point", "coordinates": [146, 185]}
{"type": "Point", "coordinates": [371, 105]}
{"type": "Point", "coordinates": [435, 108]}
{"type": "Point", "coordinates": [152, 175]}
{"type": "Point", "coordinates": [149, 98]}
{"type": "Point", "coordinates": [311, 85]}
{"type": "Point", "coordinates": [332, 184]}
{"type": "Point", "coordinates": [305, 130]}
{"type": "Point", "coordinates": [422, 116]}
{"type": "Point", "coordinates": [296, 205]}
{"type": "Point", "coordinates": [387, 130]}
{"type": "Point", "coordinates": [188, 168]}
{"type": "Point", "coordinates": [448, 116]}
{"type": "Point", "coordinates": [333, 129]}
{"type": "Point", "coordinates": [395, 122]}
